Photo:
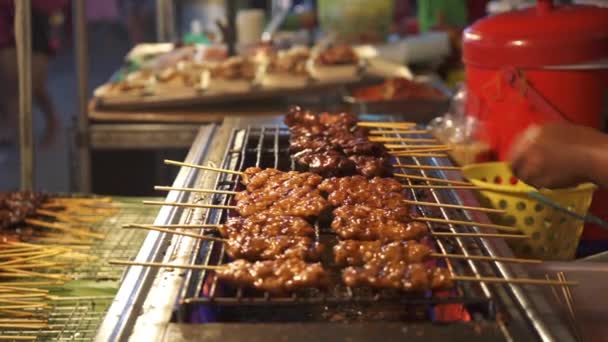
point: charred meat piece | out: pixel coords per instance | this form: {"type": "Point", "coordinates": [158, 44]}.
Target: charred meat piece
{"type": "Point", "coordinates": [410, 277]}
{"type": "Point", "coordinates": [358, 253]}
{"type": "Point", "coordinates": [281, 276]}
{"type": "Point", "coordinates": [316, 144]}
{"type": "Point", "coordinates": [263, 224]}
{"type": "Point", "coordinates": [252, 247]}
{"type": "Point", "coordinates": [298, 116]}
{"type": "Point", "coordinates": [302, 201]}
{"type": "Point", "coordinates": [377, 192]}
{"type": "Point", "coordinates": [325, 163]}
{"type": "Point", "coordinates": [16, 206]}
{"type": "Point", "coordinates": [362, 146]}
{"type": "Point", "coordinates": [338, 55]}
{"type": "Point", "coordinates": [359, 222]}
{"type": "Point", "coordinates": [369, 166]}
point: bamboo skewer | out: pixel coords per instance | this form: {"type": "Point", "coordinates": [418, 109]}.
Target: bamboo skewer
{"type": "Point", "coordinates": [190, 205]}
{"type": "Point", "coordinates": [17, 338]}
{"type": "Point", "coordinates": [160, 264]}
{"type": "Point", "coordinates": [422, 155]}
{"type": "Point", "coordinates": [481, 235]}
{"type": "Point", "coordinates": [386, 124]}
{"type": "Point", "coordinates": [399, 131]}
{"type": "Point", "coordinates": [431, 179]}
{"type": "Point", "coordinates": [402, 146]}
{"type": "Point", "coordinates": [467, 223]}
{"type": "Point", "coordinates": [164, 230]}
{"type": "Point", "coordinates": [181, 226]}
{"type": "Point", "coordinates": [456, 206]}
{"type": "Point", "coordinates": [427, 167]}
{"type": "Point", "coordinates": [65, 228]}
{"type": "Point", "coordinates": [208, 168]}
{"type": "Point", "coordinates": [213, 191]}
{"type": "Point", "coordinates": [529, 281]}
{"type": "Point", "coordinates": [397, 139]}
{"type": "Point", "coordinates": [420, 150]}
{"type": "Point", "coordinates": [486, 258]}
{"type": "Point", "coordinates": [440, 187]}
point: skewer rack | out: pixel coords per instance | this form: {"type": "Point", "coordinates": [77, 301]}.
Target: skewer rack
{"type": "Point", "coordinates": [155, 301]}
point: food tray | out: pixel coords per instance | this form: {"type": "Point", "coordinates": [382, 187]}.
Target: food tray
{"type": "Point", "coordinates": [411, 109]}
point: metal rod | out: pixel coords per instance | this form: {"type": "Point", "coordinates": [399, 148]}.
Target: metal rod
{"type": "Point", "coordinates": [23, 38]}
{"type": "Point", "coordinates": [82, 69]}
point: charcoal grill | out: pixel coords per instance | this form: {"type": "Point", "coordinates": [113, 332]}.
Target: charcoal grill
{"type": "Point", "coordinates": [171, 304]}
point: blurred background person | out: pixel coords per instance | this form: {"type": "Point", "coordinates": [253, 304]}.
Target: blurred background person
{"type": "Point", "coordinates": [46, 15]}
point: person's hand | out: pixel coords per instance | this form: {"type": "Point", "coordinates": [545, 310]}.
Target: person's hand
{"type": "Point", "coordinates": [558, 155]}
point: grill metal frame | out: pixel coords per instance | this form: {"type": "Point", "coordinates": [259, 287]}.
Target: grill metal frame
{"type": "Point", "coordinates": [266, 146]}
{"type": "Point", "coordinates": [158, 313]}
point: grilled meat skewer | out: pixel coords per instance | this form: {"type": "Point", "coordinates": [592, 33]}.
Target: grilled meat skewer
{"type": "Point", "coordinates": [361, 222]}
{"type": "Point", "coordinates": [279, 276]}
{"type": "Point", "coordinates": [264, 224]}
{"type": "Point", "coordinates": [358, 253]}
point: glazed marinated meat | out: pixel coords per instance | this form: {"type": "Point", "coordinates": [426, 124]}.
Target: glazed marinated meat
{"type": "Point", "coordinates": [377, 192]}
{"type": "Point", "coordinates": [251, 247]}
{"type": "Point", "coordinates": [333, 145]}
{"type": "Point", "coordinates": [414, 277]}
{"type": "Point", "coordinates": [16, 206]}
{"type": "Point", "coordinates": [255, 179]}
{"type": "Point", "coordinates": [338, 55]}
{"type": "Point", "coordinates": [300, 201]}
{"type": "Point", "coordinates": [316, 144]}
{"type": "Point", "coordinates": [359, 222]}
{"type": "Point", "coordinates": [298, 116]}
{"type": "Point", "coordinates": [358, 253]}
{"type": "Point", "coordinates": [263, 224]}
{"type": "Point", "coordinates": [281, 276]}
{"type": "Point", "coordinates": [325, 163]}
{"type": "Point", "coordinates": [362, 146]}
{"type": "Point", "coordinates": [369, 166]}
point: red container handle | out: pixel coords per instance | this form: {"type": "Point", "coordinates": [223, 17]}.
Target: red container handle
{"type": "Point", "coordinates": [516, 79]}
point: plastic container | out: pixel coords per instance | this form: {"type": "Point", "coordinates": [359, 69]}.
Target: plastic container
{"type": "Point", "coordinates": [552, 234]}
{"type": "Point", "coordinates": [543, 64]}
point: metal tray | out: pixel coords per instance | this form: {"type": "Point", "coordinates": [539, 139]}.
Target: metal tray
{"type": "Point", "coordinates": [413, 109]}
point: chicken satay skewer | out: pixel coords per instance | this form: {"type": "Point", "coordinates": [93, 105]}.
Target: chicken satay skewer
{"type": "Point", "coordinates": [456, 206]}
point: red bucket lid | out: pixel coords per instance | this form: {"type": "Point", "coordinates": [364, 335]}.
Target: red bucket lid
{"type": "Point", "coordinates": [538, 36]}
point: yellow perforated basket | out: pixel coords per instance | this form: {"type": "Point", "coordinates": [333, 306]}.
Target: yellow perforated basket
{"type": "Point", "coordinates": [553, 235]}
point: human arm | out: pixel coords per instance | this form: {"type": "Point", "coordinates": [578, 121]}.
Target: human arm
{"type": "Point", "coordinates": [560, 155]}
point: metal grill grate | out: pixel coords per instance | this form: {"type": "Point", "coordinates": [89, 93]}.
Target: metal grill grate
{"type": "Point", "coordinates": [267, 146]}
{"type": "Point", "coordinates": [96, 282]}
